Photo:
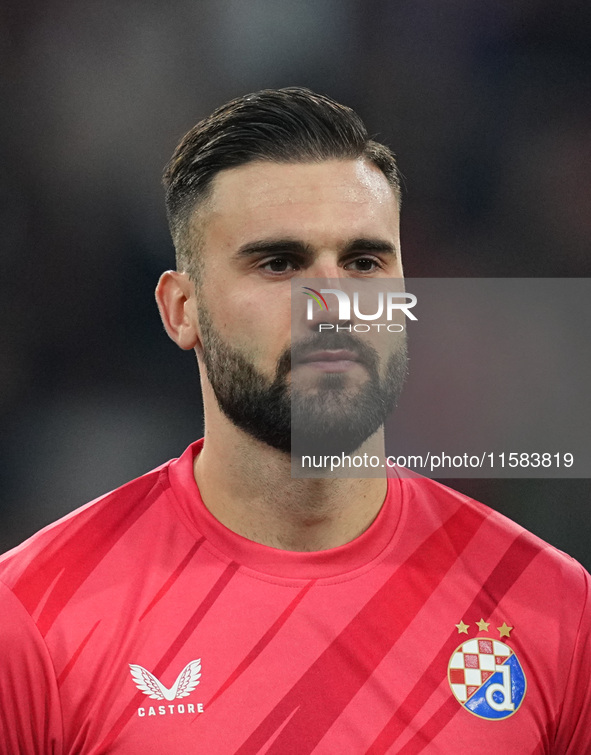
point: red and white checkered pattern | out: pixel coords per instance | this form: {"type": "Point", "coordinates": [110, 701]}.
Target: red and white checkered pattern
{"type": "Point", "coordinates": [473, 663]}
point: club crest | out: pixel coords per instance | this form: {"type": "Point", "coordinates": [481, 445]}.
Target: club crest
{"type": "Point", "coordinates": [486, 678]}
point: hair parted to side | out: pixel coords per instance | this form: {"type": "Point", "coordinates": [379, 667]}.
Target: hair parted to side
{"type": "Point", "coordinates": [278, 125]}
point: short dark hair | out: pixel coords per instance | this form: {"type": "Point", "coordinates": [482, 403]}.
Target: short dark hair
{"type": "Point", "coordinates": [278, 125]}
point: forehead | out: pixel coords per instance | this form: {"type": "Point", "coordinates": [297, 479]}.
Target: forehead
{"type": "Point", "coordinates": [299, 198]}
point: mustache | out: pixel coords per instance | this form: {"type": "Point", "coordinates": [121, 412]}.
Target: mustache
{"type": "Point", "coordinates": [327, 341]}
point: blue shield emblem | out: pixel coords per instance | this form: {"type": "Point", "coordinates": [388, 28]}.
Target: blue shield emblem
{"type": "Point", "coordinates": [486, 678]}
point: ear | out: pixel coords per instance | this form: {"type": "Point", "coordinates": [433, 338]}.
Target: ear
{"type": "Point", "coordinates": [175, 295]}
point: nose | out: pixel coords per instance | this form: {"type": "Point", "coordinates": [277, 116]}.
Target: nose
{"type": "Point", "coordinates": [322, 309]}
{"type": "Point", "coordinates": [325, 266]}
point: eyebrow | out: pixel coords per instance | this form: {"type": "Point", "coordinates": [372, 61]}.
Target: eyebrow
{"type": "Point", "coordinates": [293, 246]}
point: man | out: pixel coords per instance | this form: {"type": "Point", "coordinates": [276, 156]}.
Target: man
{"type": "Point", "coordinates": [220, 605]}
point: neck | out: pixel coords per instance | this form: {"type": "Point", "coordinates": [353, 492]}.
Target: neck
{"type": "Point", "coordinates": [248, 486]}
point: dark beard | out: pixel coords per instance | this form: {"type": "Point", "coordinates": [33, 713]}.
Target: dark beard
{"type": "Point", "coordinates": [329, 420]}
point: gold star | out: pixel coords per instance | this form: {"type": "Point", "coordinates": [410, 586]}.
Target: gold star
{"type": "Point", "coordinates": [462, 627]}
{"type": "Point", "coordinates": [504, 630]}
{"type": "Point", "coordinates": [482, 625]}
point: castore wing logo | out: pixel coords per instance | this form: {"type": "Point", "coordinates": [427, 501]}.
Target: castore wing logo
{"type": "Point", "coordinates": [186, 681]}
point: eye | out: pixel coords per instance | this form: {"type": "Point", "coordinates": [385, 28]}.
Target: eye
{"type": "Point", "coordinates": [279, 265]}
{"type": "Point", "coordinates": [363, 265]}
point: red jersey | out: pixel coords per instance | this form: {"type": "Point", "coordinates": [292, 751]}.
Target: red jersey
{"type": "Point", "coordinates": [140, 624]}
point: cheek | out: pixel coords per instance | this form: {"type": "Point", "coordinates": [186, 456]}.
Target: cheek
{"type": "Point", "coordinates": [257, 327]}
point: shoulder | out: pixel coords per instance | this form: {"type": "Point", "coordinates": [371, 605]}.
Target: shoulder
{"type": "Point", "coordinates": [486, 537]}
{"type": "Point", "coordinates": [79, 540]}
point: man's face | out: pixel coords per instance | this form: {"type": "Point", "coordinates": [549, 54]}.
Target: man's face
{"type": "Point", "coordinates": [265, 224]}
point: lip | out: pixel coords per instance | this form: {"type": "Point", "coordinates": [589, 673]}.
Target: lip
{"type": "Point", "coordinates": [333, 355]}
{"type": "Point", "coordinates": [338, 360]}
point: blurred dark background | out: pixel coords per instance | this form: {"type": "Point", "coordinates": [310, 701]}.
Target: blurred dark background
{"type": "Point", "coordinates": [487, 105]}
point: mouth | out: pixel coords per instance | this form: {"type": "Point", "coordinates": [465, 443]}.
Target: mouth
{"type": "Point", "coordinates": [331, 360]}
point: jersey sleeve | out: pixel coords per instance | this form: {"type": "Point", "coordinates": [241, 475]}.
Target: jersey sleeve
{"type": "Point", "coordinates": [574, 729]}
{"type": "Point", "coordinates": [30, 713]}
